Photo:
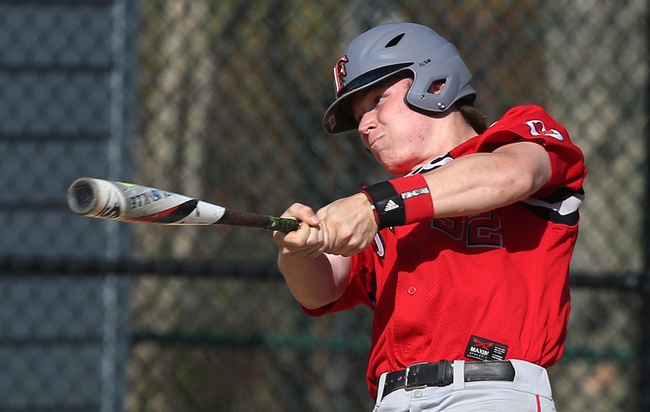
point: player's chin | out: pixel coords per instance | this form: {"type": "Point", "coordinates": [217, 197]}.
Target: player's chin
{"type": "Point", "coordinates": [393, 164]}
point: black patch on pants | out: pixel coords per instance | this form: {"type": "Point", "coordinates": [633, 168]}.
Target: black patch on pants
{"type": "Point", "coordinates": [484, 349]}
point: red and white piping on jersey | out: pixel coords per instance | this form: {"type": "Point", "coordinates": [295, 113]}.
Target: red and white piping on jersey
{"type": "Point", "coordinates": [563, 208]}
{"type": "Point", "coordinates": [432, 164]}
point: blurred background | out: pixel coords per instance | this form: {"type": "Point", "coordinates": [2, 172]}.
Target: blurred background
{"type": "Point", "coordinates": [222, 100]}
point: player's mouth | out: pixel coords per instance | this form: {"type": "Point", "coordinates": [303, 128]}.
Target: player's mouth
{"type": "Point", "coordinates": [373, 140]}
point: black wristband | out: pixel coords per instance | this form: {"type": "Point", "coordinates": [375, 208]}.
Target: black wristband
{"type": "Point", "coordinates": [388, 204]}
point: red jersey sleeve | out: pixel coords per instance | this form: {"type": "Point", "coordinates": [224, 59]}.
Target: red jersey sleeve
{"type": "Point", "coordinates": [533, 123]}
{"type": "Point", "coordinates": [360, 289]}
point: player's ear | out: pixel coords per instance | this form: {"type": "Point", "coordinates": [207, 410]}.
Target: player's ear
{"type": "Point", "coordinates": [437, 86]}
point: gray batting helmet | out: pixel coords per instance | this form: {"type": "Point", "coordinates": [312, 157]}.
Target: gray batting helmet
{"type": "Point", "coordinates": [391, 48]}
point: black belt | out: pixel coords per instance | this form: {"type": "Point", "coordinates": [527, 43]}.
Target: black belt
{"type": "Point", "coordinates": [442, 374]}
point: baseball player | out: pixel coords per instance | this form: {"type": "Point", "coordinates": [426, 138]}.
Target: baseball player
{"type": "Point", "coordinates": [464, 257]}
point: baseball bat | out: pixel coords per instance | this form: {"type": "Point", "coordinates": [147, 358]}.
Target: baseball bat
{"type": "Point", "coordinates": [128, 202]}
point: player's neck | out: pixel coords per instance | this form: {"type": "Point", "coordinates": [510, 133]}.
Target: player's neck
{"type": "Point", "coordinates": [453, 131]}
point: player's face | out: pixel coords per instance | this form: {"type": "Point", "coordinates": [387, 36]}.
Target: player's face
{"type": "Point", "coordinates": [399, 137]}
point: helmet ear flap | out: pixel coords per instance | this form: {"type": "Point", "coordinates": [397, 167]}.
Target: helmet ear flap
{"type": "Point", "coordinates": [421, 96]}
{"type": "Point", "coordinates": [457, 84]}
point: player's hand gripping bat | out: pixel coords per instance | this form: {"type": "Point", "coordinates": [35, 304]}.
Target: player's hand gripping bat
{"type": "Point", "coordinates": [128, 202]}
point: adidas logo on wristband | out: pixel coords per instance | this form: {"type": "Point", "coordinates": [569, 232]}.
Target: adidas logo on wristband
{"type": "Point", "coordinates": [400, 201]}
{"type": "Point", "coordinates": [391, 205]}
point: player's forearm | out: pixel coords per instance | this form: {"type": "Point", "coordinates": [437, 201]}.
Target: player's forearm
{"type": "Point", "coordinates": [486, 181]}
{"type": "Point", "coordinates": [314, 282]}
{"type": "Point", "coordinates": [470, 184]}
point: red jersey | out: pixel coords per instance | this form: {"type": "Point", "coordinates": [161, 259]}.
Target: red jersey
{"type": "Point", "coordinates": [486, 286]}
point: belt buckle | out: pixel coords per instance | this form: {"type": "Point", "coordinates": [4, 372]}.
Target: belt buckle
{"type": "Point", "coordinates": [407, 385]}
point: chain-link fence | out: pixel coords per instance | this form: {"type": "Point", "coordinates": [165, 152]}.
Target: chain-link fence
{"type": "Point", "coordinates": [230, 96]}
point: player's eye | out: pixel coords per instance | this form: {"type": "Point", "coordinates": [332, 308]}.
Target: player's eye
{"type": "Point", "coordinates": [375, 101]}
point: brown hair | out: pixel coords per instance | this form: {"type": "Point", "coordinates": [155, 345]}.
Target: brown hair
{"type": "Point", "coordinates": [471, 114]}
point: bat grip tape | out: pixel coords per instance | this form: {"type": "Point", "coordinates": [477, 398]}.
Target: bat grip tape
{"type": "Point", "coordinates": [400, 201]}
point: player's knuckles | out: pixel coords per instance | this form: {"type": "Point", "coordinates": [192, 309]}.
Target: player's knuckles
{"type": "Point", "coordinates": [351, 249]}
{"type": "Point", "coordinates": [291, 211]}
{"type": "Point", "coordinates": [337, 227]}
{"type": "Point", "coordinates": [353, 245]}
{"type": "Point", "coordinates": [322, 213]}
{"type": "Point", "coordinates": [295, 240]}
{"type": "Point", "coordinates": [299, 211]}
{"type": "Point", "coordinates": [345, 238]}
{"type": "Point", "coordinates": [331, 241]}
{"type": "Point", "coordinates": [325, 245]}
{"type": "Point", "coordinates": [349, 253]}
{"type": "Point", "coordinates": [314, 240]}
{"type": "Point", "coordinates": [341, 247]}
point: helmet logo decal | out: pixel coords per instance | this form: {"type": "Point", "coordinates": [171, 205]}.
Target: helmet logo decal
{"type": "Point", "coordinates": [339, 73]}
